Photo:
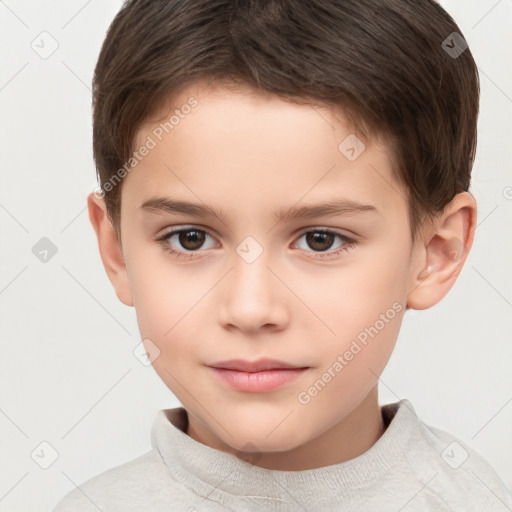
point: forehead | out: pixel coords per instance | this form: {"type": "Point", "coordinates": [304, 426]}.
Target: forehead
{"type": "Point", "coordinates": [236, 147]}
{"type": "Point", "coordinates": [226, 109]}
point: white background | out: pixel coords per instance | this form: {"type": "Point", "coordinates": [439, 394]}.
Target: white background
{"type": "Point", "coordinates": [67, 369]}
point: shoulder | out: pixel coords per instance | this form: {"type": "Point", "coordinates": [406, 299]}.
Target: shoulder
{"type": "Point", "coordinates": [124, 487]}
{"type": "Point", "coordinates": [455, 475]}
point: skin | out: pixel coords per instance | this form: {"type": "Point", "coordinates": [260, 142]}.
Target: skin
{"type": "Point", "coordinates": [249, 155]}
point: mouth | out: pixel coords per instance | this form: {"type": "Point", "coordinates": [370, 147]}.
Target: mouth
{"type": "Point", "coordinates": [255, 366]}
{"type": "Point", "coordinates": [259, 376]}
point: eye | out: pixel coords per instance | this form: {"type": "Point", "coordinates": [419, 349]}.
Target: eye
{"type": "Point", "coordinates": [320, 240]}
{"type": "Point", "coordinates": [190, 239]}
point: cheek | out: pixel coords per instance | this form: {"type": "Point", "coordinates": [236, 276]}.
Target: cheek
{"type": "Point", "coordinates": [353, 361]}
{"type": "Point", "coordinates": [164, 304]}
{"type": "Point", "coordinates": [171, 314]}
{"type": "Point", "coordinates": [363, 304]}
{"type": "Point", "coordinates": [352, 297]}
{"type": "Point", "coordinates": [171, 305]}
{"type": "Point", "coordinates": [379, 277]}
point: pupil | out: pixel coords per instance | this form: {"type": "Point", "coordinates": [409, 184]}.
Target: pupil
{"type": "Point", "coordinates": [191, 239]}
{"type": "Point", "coordinates": [319, 241]}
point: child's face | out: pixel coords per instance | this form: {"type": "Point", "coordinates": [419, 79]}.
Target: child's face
{"type": "Point", "coordinates": [249, 157]}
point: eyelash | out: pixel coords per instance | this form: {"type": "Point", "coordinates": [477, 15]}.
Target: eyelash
{"type": "Point", "coordinates": [347, 246]}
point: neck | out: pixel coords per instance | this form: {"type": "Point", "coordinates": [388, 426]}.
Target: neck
{"type": "Point", "coordinates": [346, 440]}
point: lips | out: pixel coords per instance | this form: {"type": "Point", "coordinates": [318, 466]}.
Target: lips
{"type": "Point", "coordinates": [261, 376]}
{"type": "Point", "coordinates": [255, 366]}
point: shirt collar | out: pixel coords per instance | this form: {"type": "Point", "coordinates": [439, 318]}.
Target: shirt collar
{"type": "Point", "coordinates": [211, 472]}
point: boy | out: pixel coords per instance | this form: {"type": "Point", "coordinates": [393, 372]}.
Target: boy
{"type": "Point", "coordinates": [280, 181]}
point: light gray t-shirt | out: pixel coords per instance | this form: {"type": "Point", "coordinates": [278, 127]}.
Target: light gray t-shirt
{"type": "Point", "coordinates": [412, 467]}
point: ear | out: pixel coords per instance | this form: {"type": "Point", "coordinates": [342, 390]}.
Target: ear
{"type": "Point", "coordinates": [443, 248]}
{"type": "Point", "coordinates": [110, 248]}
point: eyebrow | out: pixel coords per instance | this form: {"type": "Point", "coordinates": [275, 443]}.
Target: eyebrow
{"type": "Point", "coordinates": [338, 206]}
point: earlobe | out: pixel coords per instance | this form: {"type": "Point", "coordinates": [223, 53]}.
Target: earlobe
{"type": "Point", "coordinates": [445, 248]}
{"type": "Point", "coordinates": [110, 248]}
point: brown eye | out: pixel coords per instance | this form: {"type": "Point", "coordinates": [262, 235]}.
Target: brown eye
{"type": "Point", "coordinates": [191, 239]}
{"type": "Point", "coordinates": [186, 243]}
{"type": "Point", "coordinates": [319, 240]}
{"type": "Point", "coordinates": [324, 243]}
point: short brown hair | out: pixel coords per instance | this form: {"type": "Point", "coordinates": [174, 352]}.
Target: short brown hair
{"type": "Point", "coordinates": [397, 68]}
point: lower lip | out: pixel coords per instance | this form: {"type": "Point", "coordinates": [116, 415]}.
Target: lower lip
{"type": "Point", "coordinates": [258, 382]}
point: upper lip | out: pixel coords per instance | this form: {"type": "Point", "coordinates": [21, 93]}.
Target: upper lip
{"type": "Point", "coordinates": [253, 366]}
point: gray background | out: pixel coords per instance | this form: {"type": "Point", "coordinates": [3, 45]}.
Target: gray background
{"type": "Point", "coordinates": [69, 376]}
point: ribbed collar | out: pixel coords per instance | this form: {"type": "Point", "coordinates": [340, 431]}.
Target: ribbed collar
{"type": "Point", "coordinates": [209, 471]}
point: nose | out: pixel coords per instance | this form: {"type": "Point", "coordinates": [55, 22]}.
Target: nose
{"type": "Point", "coordinates": [252, 296]}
